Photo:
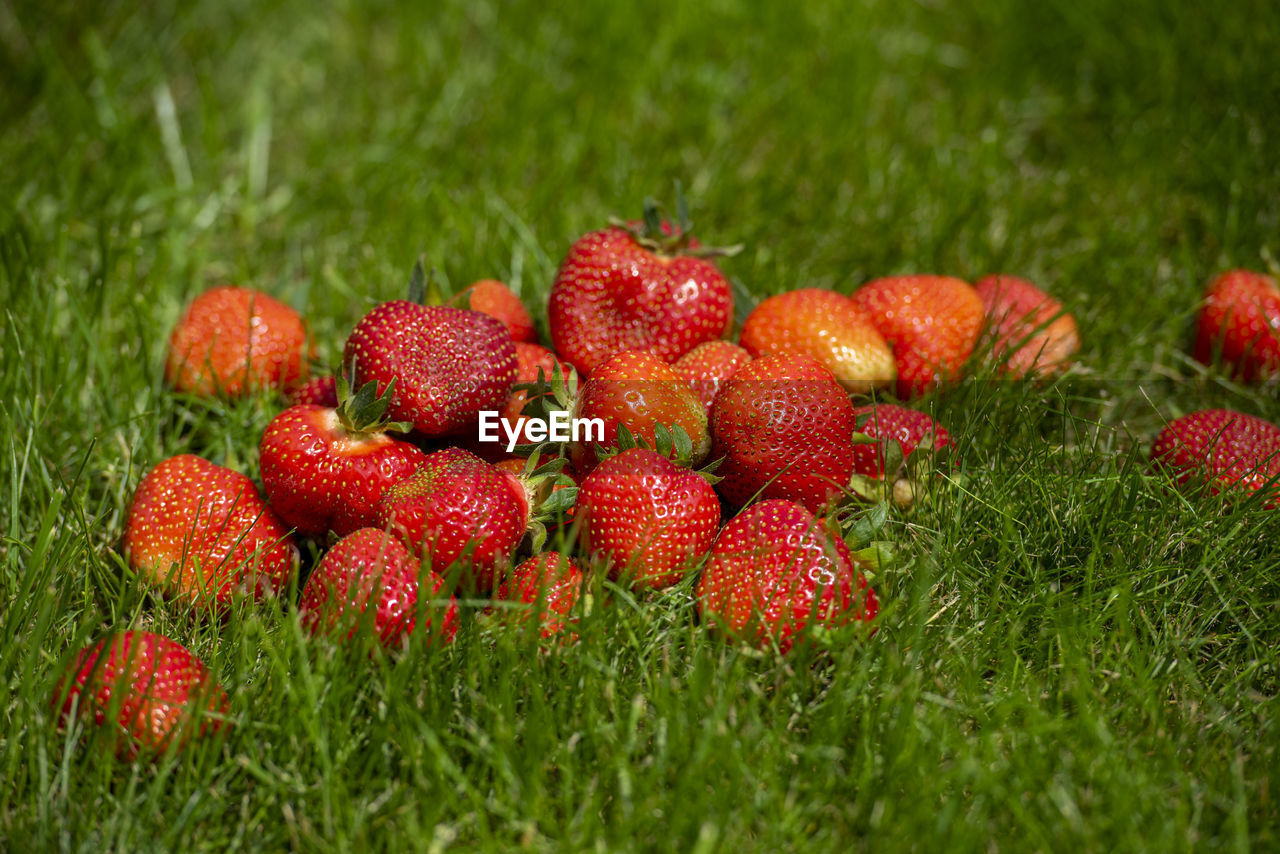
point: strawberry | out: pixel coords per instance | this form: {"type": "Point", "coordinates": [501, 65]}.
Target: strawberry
{"type": "Point", "coordinates": [233, 341]}
{"type": "Point", "coordinates": [322, 391]}
{"type": "Point", "coordinates": [652, 519]}
{"type": "Point", "coordinates": [1228, 450]}
{"type": "Point", "coordinates": [826, 326]}
{"type": "Point", "coordinates": [448, 363]}
{"type": "Point", "coordinates": [325, 468]}
{"type": "Point", "coordinates": [886, 423]}
{"type": "Point", "coordinates": [200, 532]}
{"type": "Point", "coordinates": [774, 571]}
{"type": "Point", "coordinates": [638, 391]}
{"type": "Point", "coordinates": [932, 323]}
{"type": "Point", "coordinates": [147, 688]}
{"type": "Point", "coordinates": [709, 366]}
{"type": "Point", "coordinates": [365, 564]}
{"type": "Point", "coordinates": [549, 581]}
{"type": "Point", "coordinates": [639, 287]}
{"type": "Point", "coordinates": [530, 359]}
{"type": "Point", "coordinates": [1240, 323]}
{"type": "Point", "coordinates": [785, 429]}
{"type": "Point", "coordinates": [1031, 333]}
{"type": "Point", "coordinates": [494, 298]}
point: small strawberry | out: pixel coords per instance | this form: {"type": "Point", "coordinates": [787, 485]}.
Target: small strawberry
{"type": "Point", "coordinates": [774, 571]}
{"type": "Point", "coordinates": [709, 366]}
{"type": "Point", "coordinates": [367, 564]}
{"type": "Point", "coordinates": [494, 298]}
{"type": "Point", "coordinates": [1031, 332]}
{"type": "Point", "coordinates": [322, 391]}
{"type": "Point", "coordinates": [932, 323]}
{"type": "Point", "coordinates": [895, 434]}
{"type": "Point", "coordinates": [147, 688]}
{"type": "Point", "coordinates": [827, 326]}
{"type": "Point", "coordinates": [785, 429]}
{"type": "Point", "coordinates": [200, 532]}
{"type": "Point", "coordinates": [232, 341]}
{"type": "Point", "coordinates": [324, 468]}
{"type": "Point", "coordinates": [1240, 324]}
{"type": "Point", "coordinates": [1228, 450]}
{"type": "Point", "coordinates": [645, 287]}
{"type": "Point", "coordinates": [530, 359]}
{"type": "Point", "coordinates": [652, 519]}
{"type": "Point", "coordinates": [550, 582]}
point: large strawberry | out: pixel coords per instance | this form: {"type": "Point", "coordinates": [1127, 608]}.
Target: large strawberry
{"type": "Point", "coordinates": [932, 323]}
{"type": "Point", "coordinates": [148, 689]}
{"type": "Point", "coordinates": [826, 326]}
{"type": "Point", "coordinates": [641, 287]}
{"type": "Point", "coordinates": [650, 518]}
{"type": "Point", "coordinates": [494, 298]}
{"type": "Point", "coordinates": [709, 366]}
{"type": "Point", "coordinates": [201, 533]}
{"type": "Point", "coordinates": [372, 569]}
{"type": "Point", "coordinates": [1228, 450]}
{"type": "Point", "coordinates": [551, 584]}
{"type": "Point", "coordinates": [1030, 332]}
{"type": "Point", "coordinates": [325, 468]}
{"type": "Point", "coordinates": [232, 341]}
{"type": "Point", "coordinates": [774, 571]}
{"type": "Point", "coordinates": [784, 427]}
{"type": "Point", "coordinates": [1240, 324]}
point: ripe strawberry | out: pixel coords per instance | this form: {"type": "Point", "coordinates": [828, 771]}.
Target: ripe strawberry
{"type": "Point", "coordinates": [325, 468]}
{"type": "Point", "coordinates": [322, 391]}
{"type": "Point", "coordinates": [147, 688]}
{"type": "Point", "coordinates": [232, 341]}
{"type": "Point", "coordinates": [775, 570]}
{"type": "Point", "coordinates": [885, 423]}
{"type": "Point", "coordinates": [448, 363]}
{"type": "Point", "coordinates": [1228, 450]}
{"type": "Point", "coordinates": [1240, 323]}
{"type": "Point", "coordinates": [494, 298]}
{"type": "Point", "coordinates": [932, 323]}
{"type": "Point", "coordinates": [552, 583]}
{"type": "Point", "coordinates": [709, 366]}
{"type": "Point", "coordinates": [367, 564]}
{"type": "Point", "coordinates": [201, 533]}
{"type": "Point", "coordinates": [1032, 334]}
{"type": "Point", "coordinates": [639, 391]}
{"type": "Point", "coordinates": [827, 326]}
{"type": "Point", "coordinates": [530, 358]}
{"type": "Point", "coordinates": [636, 288]}
{"type": "Point", "coordinates": [652, 519]}
{"type": "Point", "coordinates": [785, 429]}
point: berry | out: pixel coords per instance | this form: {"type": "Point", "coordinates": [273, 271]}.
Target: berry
{"type": "Point", "coordinates": [494, 298]}
{"type": "Point", "coordinates": [885, 422]}
{"type": "Point", "coordinates": [1031, 333]}
{"type": "Point", "coordinates": [550, 582]}
{"type": "Point", "coordinates": [529, 359]}
{"type": "Point", "coordinates": [322, 391]}
{"type": "Point", "coordinates": [1240, 324]}
{"type": "Point", "coordinates": [1228, 450]}
{"type": "Point", "coordinates": [709, 366]}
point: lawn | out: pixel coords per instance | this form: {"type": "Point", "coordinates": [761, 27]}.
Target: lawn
{"type": "Point", "coordinates": [1071, 655]}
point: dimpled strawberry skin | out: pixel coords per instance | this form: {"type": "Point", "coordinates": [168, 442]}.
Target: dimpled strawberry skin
{"type": "Point", "coordinates": [709, 366]}
{"type": "Point", "coordinates": [651, 518]}
{"type": "Point", "coordinates": [449, 363]}
{"type": "Point", "coordinates": [200, 531]}
{"type": "Point", "coordinates": [889, 423]}
{"type": "Point", "coordinates": [322, 391]}
{"type": "Point", "coordinates": [773, 570]}
{"type": "Point", "coordinates": [1227, 449]}
{"type": "Point", "coordinates": [494, 298]}
{"type": "Point", "coordinates": [612, 294]}
{"type": "Point", "coordinates": [550, 580]}
{"type": "Point", "coordinates": [1031, 333]}
{"type": "Point", "coordinates": [156, 683]}
{"type": "Point", "coordinates": [783, 424]}
{"type": "Point", "coordinates": [1240, 323]}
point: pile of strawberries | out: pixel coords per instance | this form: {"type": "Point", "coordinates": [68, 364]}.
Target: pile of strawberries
{"type": "Point", "coordinates": [382, 465]}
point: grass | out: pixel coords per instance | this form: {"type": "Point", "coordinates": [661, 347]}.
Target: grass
{"type": "Point", "coordinates": [1072, 655]}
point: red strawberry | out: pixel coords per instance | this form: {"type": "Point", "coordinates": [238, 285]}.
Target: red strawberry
{"type": "Point", "coordinates": [826, 326]}
{"type": "Point", "coordinates": [709, 366]}
{"type": "Point", "coordinates": [530, 358]}
{"type": "Point", "coordinates": [932, 323]}
{"type": "Point", "coordinates": [1240, 323]}
{"type": "Point", "coordinates": [652, 519]}
{"type": "Point", "coordinates": [232, 341]}
{"type": "Point", "coordinates": [1228, 450]}
{"type": "Point", "coordinates": [367, 564]}
{"type": "Point", "coordinates": [322, 391]}
{"type": "Point", "coordinates": [785, 429]}
{"type": "Point", "coordinates": [494, 298]}
{"type": "Point", "coordinates": [639, 288]}
{"type": "Point", "coordinates": [146, 687]}
{"type": "Point", "coordinates": [552, 583]}
{"type": "Point", "coordinates": [1032, 334]}
{"type": "Point", "coordinates": [639, 391]}
{"type": "Point", "coordinates": [200, 532]}
{"type": "Point", "coordinates": [887, 423]}
{"type": "Point", "coordinates": [325, 468]}
{"type": "Point", "coordinates": [449, 364]}
{"type": "Point", "coordinates": [774, 570]}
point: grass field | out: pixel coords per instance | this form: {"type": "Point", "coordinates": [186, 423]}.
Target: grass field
{"type": "Point", "coordinates": [1071, 657]}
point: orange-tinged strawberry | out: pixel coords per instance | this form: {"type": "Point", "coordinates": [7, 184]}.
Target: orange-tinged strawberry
{"type": "Point", "coordinates": [232, 341]}
{"type": "Point", "coordinates": [709, 366]}
{"type": "Point", "coordinates": [1240, 324]}
{"type": "Point", "coordinates": [827, 326]}
{"type": "Point", "coordinates": [494, 298]}
{"type": "Point", "coordinates": [1228, 450]}
{"type": "Point", "coordinates": [1031, 333]}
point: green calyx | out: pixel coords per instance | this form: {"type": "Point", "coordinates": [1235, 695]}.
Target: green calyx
{"type": "Point", "coordinates": [652, 236]}
{"type": "Point", "coordinates": [364, 412]}
{"type": "Point", "coordinates": [547, 504]}
{"type": "Point", "coordinates": [424, 284]}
